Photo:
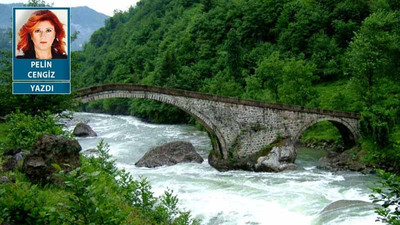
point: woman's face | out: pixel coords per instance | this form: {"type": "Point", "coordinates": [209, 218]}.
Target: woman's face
{"type": "Point", "coordinates": [43, 36]}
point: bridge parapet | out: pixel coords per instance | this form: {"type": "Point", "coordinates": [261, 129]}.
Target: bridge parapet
{"type": "Point", "coordinates": [217, 98]}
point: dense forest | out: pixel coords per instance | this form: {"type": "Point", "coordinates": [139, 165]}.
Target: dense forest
{"type": "Point", "coordinates": [341, 55]}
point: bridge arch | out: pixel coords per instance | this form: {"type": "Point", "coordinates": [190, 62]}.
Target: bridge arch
{"type": "Point", "coordinates": [119, 91]}
{"type": "Point", "coordinates": [348, 133]}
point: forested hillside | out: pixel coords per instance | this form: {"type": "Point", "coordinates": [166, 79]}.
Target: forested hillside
{"type": "Point", "coordinates": [339, 54]}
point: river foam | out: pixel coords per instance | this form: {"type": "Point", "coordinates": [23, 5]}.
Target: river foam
{"type": "Point", "coordinates": [233, 197]}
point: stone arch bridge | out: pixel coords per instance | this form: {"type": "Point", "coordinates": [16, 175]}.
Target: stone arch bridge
{"type": "Point", "coordinates": [245, 126]}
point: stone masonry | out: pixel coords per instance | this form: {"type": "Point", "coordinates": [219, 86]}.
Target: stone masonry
{"type": "Point", "coordinates": [243, 126]}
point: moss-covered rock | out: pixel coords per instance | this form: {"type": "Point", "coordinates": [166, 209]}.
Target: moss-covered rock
{"type": "Point", "coordinates": [351, 159]}
{"type": "Point", "coordinates": [274, 157]}
{"type": "Point", "coordinates": [49, 151]}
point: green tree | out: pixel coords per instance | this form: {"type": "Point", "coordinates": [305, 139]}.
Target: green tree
{"type": "Point", "coordinates": [74, 36]}
{"type": "Point", "coordinates": [233, 56]}
{"type": "Point", "coordinates": [298, 21]}
{"type": "Point", "coordinates": [373, 54]}
{"type": "Point", "coordinates": [38, 3]}
{"type": "Point", "coordinates": [296, 87]}
{"type": "Point", "coordinates": [373, 61]}
{"type": "Point", "coordinates": [168, 68]}
{"type": "Point", "coordinates": [325, 54]}
{"type": "Point", "coordinates": [347, 16]}
{"type": "Point", "coordinates": [223, 84]}
{"type": "Point", "coordinates": [270, 72]}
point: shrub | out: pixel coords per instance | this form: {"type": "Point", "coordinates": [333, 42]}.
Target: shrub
{"type": "Point", "coordinates": [24, 203]}
{"type": "Point", "coordinates": [162, 210]}
{"type": "Point", "coordinates": [375, 124]}
{"type": "Point", "coordinates": [388, 196]}
{"type": "Point", "coordinates": [95, 193]}
{"type": "Point", "coordinates": [24, 130]}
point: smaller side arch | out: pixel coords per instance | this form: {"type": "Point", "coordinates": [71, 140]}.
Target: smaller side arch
{"type": "Point", "coordinates": [345, 129]}
{"type": "Point", "coordinates": [349, 139]}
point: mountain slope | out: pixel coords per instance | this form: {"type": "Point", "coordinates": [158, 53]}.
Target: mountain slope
{"type": "Point", "coordinates": [6, 14]}
{"type": "Point", "coordinates": [86, 21]}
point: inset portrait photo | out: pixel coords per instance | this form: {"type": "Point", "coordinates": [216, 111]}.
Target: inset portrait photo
{"type": "Point", "coordinates": [41, 33]}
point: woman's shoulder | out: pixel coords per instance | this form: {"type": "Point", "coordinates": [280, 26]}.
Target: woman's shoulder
{"type": "Point", "coordinates": [21, 57]}
{"type": "Point", "coordinates": [26, 55]}
{"type": "Point", "coordinates": [59, 55]}
{"type": "Point", "coordinates": [31, 55]}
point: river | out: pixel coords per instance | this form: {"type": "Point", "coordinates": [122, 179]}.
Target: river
{"type": "Point", "coordinates": [234, 197]}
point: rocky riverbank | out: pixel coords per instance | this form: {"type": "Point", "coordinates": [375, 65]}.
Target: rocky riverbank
{"type": "Point", "coordinates": [349, 160]}
{"type": "Point", "coordinates": [338, 158]}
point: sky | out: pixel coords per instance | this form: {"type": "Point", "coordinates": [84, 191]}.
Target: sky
{"type": "Point", "coordinates": [103, 6]}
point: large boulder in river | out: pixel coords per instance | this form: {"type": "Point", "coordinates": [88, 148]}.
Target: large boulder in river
{"type": "Point", "coordinates": [280, 158]}
{"type": "Point", "coordinates": [49, 150]}
{"type": "Point", "coordinates": [83, 130]}
{"type": "Point", "coordinates": [170, 154]}
{"type": "Point", "coordinates": [343, 204]}
{"type": "Point", "coordinates": [275, 157]}
{"type": "Point", "coordinates": [341, 210]}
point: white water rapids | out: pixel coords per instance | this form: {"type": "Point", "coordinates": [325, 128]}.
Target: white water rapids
{"type": "Point", "coordinates": [234, 197]}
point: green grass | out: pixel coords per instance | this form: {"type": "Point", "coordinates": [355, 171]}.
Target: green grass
{"type": "Point", "coordinates": [322, 131]}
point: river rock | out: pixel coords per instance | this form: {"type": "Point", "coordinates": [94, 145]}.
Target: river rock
{"type": "Point", "coordinates": [226, 165]}
{"type": "Point", "coordinates": [49, 150]}
{"type": "Point", "coordinates": [83, 130]}
{"type": "Point", "coordinates": [170, 154]}
{"type": "Point", "coordinates": [341, 204]}
{"type": "Point", "coordinates": [347, 160]}
{"type": "Point", "coordinates": [278, 159]}
{"type": "Point", "coordinates": [12, 159]}
{"type": "Point", "coordinates": [90, 152]}
{"type": "Point", "coordinates": [343, 209]}
{"type": "Point", "coordinates": [4, 179]}
{"type": "Point", "coordinates": [277, 156]}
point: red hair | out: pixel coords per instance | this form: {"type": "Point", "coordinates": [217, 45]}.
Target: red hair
{"type": "Point", "coordinates": [25, 42]}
